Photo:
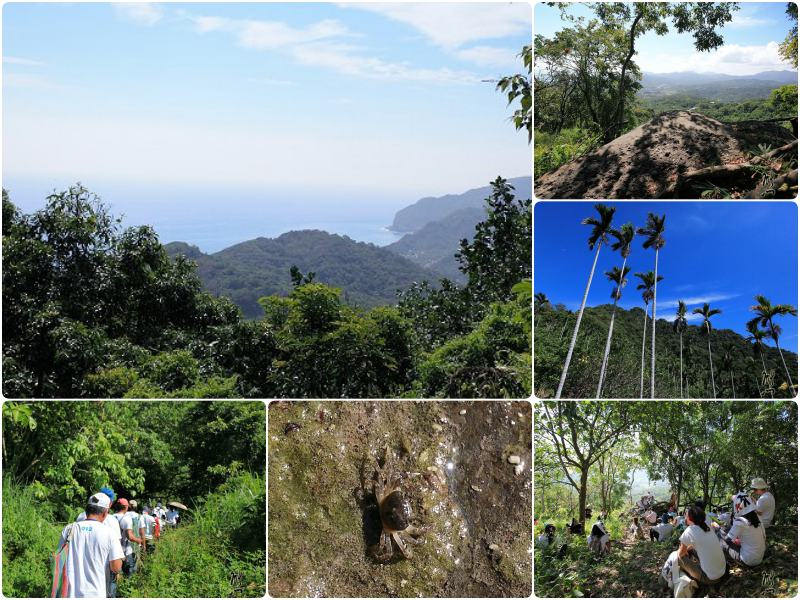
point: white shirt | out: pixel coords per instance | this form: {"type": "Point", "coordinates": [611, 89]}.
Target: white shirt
{"type": "Point", "coordinates": [149, 526]}
{"type": "Point", "coordinates": [92, 547]}
{"type": "Point", "coordinates": [664, 531]}
{"type": "Point", "coordinates": [171, 514]}
{"type": "Point", "coordinates": [766, 508]}
{"type": "Point", "coordinates": [753, 540]}
{"type": "Point", "coordinates": [706, 544]}
{"type": "Point", "coordinates": [542, 541]}
{"type": "Point", "coordinates": [129, 521]}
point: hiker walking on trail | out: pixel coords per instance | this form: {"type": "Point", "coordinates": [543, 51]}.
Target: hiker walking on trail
{"type": "Point", "coordinates": [135, 534]}
{"type": "Point", "coordinates": [765, 506]}
{"type": "Point", "coordinates": [91, 548]}
{"type": "Point", "coordinates": [149, 529]}
{"type": "Point", "coordinates": [172, 516]}
{"type": "Point", "coordinates": [119, 516]}
{"type": "Point", "coordinates": [746, 541]}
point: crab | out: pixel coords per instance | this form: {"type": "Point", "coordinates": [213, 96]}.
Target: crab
{"type": "Point", "coordinates": [395, 513]}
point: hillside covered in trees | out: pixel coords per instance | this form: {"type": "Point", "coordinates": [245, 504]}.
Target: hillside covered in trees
{"type": "Point", "coordinates": [368, 276]}
{"type": "Point", "coordinates": [93, 311]}
{"type": "Point", "coordinates": [738, 368]}
{"type": "Point", "coordinates": [590, 92]}
{"type": "Point", "coordinates": [210, 456]}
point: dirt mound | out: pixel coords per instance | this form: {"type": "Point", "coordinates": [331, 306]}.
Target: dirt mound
{"type": "Point", "coordinates": [644, 162]}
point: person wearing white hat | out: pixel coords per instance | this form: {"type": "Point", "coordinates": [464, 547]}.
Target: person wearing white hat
{"type": "Point", "coordinates": [746, 541]}
{"type": "Point", "coordinates": [765, 505]}
{"type": "Point", "coordinates": [92, 546]}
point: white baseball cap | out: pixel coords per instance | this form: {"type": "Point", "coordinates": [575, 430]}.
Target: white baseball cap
{"type": "Point", "coordinates": [101, 500]}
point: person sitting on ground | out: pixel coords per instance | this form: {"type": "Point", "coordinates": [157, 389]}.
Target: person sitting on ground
{"type": "Point", "coordinates": [662, 531]}
{"type": "Point", "coordinates": [765, 506]}
{"type": "Point", "coordinates": [599, 541]}
{"type": "Point", "coordinates": [546, 539]}
{"type": "Point", "coordinates": [587, 513]}
{"type": "Point", "coordinates": [700, 555]}
{"type": "Point", "coordinates": [92, 549]}
{"type": "Point", "coordinates": [575, 527]}
{"type": "Point", "coordinates": [702, 505]}
{"type": "Point", "coordinates": [637, 529]}
{"type": "Point", "coordinates": [746, 541]}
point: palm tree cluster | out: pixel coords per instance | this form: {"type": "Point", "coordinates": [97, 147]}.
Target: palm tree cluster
{"type": "Point", "coordinates": [622, 240]}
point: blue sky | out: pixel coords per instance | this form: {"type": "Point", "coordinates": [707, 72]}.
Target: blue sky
{"type": "Point", "coordinates": [370, 98]}
{"type": "Point", "coordinates": [751, 41]}
{"type": "Point", "coordinates": [723, 253]}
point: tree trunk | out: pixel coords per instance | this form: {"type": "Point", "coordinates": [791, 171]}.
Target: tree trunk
{"type": "Point", "coordinates": [791, 383]}
{"type": "Point", "coordinates": [616, 126]}
{"type": "Point", "coordinates": [758, 387]}
{"type": "Point", "coordinates": [582, 495]}
{"type": "Point", "coordinates": [610, 331]}
{"type": "Point", "coordinates": [761, 352]}
{"type": "Point", "coordinates": [681, 336]}
{"type": "Point", "coordinates": [577, 325]}
{"type": "Point", "coordinates": [644, 340]}
{"type": "Point", "coordinates": [653, 348]}
{"type": "Point", "coordinates": [563, 327]}
{"type": "Point", "coordinates": [733, 387]}
{"type": "Point", "coordinates": [711, 363]}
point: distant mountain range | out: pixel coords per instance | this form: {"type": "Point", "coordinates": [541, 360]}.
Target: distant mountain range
{"type": "Point", "coordinates": [437, 225]}
{"type": "Point", "coordinates": [715, 86]}
{"type": "Point", "coordinates": [368, 275]}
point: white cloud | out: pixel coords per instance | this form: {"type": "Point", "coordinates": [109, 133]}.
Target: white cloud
{"type": "Point", "coordinates": [143, 13]}
{"type": "Point", "coordinates": [29, 81]}
{"type": "Point", "coordinates": [320, 45]}
{"type": "Point", "coordinates": [14, 60]}
{"type": "Point", "coordinates": [270, 81]}
{"type": "Point", "coordinates": [730, 59]}
{"type": "Point", "coordinates": [668, 306]}
{"type": "Point", "coordinates": [343, 59]}
{"type": "Point", "coordinates": [489, 56]}
{"type": "Point", "coordinates": [451, 25]}
{"type": "Point", "coordinates": [741, 21]}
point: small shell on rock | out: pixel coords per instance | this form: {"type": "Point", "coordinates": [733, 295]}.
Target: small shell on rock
{"type": "Point", "coordinates": [514, 459]}
{"type": "Point", "coordinates": [463, 411]}
{"type": "Point", "coordinates": [403, 582]}
{"type": "Point", "coordinates": [437, 427]}
{"type": "Point", "coordinates": [476, 488]}
{"type": "Point", "coordinates": [494, 547]}
{"type": "Point", "coordinates": [519, 468]}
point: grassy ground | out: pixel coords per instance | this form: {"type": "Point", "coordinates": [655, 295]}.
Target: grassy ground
{"type": "Point", "coordinates": [220, 552]}
{"type": "Point", "coordinates": [632, 568]}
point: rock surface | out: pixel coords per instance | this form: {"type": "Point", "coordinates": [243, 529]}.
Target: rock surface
{"type": "Point", "coordinates": [322, 513]}
{"type": "Point", "coordinates": [645, 161]}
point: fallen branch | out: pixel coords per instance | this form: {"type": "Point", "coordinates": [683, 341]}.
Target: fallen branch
{"type": "Point", "coordinates": [791, 146]}
{"type": "Point", "coordinates": [684, 178]}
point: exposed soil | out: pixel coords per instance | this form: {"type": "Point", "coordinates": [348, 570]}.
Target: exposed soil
{"type": "Point", "coordinates": [323, 520]}
{"type": "Point", "coordinates": [645, 161]}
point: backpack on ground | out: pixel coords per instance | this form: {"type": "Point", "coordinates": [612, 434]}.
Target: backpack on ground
{"type": "Point", "coordinates": [58, 566]}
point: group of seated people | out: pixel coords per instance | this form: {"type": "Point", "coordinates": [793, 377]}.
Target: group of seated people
{"type": "Point", "coordinates": [705, 545]}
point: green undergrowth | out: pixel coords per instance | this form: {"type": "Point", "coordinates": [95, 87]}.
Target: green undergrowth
{"type": "Point", "coordinates": [632, 568]}
{"type": "Point", "coordinates": [29, 536]}
{"type": "Point", "coordinates": [221, 552]}
{"type": "Point", "coordinates": [555, 149]}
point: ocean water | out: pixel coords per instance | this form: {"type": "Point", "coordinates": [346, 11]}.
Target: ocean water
{"type": "Point", "coordinates": [216, 218]}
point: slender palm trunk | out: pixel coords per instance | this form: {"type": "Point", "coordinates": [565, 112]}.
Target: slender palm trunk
{"type": "Point", "coordinates": [761, 352]}
{"type": "Point", "coordinates": [711, 362]}
{"type": "Point", "coordinates": [785, 368]}
{"type": "Point", "coordinates": [653, 347]}
{"type": "Point", "coordinates": [681, 336]}
{"type": "Point", "coordinates": [644, 339]}
{"type": "Point", "coordinates": [577, 325]}
{"type": "Point", "coordinates": [758, 386]}
{"type": "Point", "coordinates": [610, 330]}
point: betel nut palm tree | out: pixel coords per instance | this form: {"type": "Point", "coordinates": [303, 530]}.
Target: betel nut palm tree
{"type": "Point", "coordinates": [624, 236]}
{"type": "Point", "coordinates": [679, 326]}
{"type": "Point", "coordinates": [654, 232]}
{"type": "Point", "coordinates": [648, 281]}
{"type": "Point", "coordinates": [707, 313]}
{"type": "Point", "coordinates": [765, 313]}
{"type": "Point", "coordinates": [757, 337]}
{"type": "Point", "coordinates": [601, 228]}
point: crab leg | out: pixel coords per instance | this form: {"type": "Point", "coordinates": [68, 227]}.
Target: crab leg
{"type": "Point", "coordinates": [405, 550]}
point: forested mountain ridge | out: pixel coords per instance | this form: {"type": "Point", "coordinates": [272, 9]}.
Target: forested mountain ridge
{"type": "Point", "coordinates": [742, 376]}
{"type": "Point", "coordinates": [714, 86]}
{"type": "Point", "coordinates": [368, 275]}
{"type": "Point", "coordinates": [428, 209]}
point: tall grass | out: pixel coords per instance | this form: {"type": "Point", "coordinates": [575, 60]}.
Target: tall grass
{"type": "Point", "coordinates": [29, 537]}
{"type": "Point", "coordinates": [552, 150]}
{"type": "Point", "coordinates": [218, 551]}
